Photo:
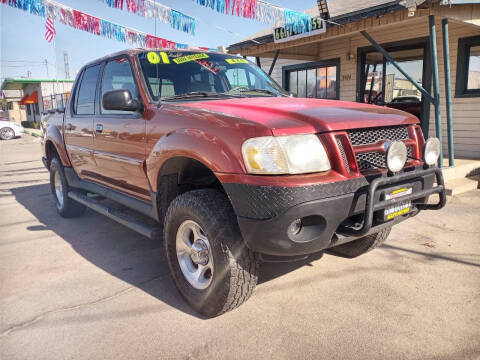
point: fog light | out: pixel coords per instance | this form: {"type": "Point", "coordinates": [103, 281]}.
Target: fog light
{"type": "Point", "coordinates": [396, 156]}
{"type": "Point", "coordinates": [431, 151]}
{"type": "Point", "coordinates": [295, 227]}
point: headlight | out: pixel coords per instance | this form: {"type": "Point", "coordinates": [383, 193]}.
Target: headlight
{"type": "Point", "coordinates": [294, 154]}
{"type": "Point", "coordinates": [396, 156]}
{"type": "Point", "coordinates": [431, 151]}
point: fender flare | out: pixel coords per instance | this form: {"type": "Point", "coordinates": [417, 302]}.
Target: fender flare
{"type": "Point", "coordinates": [53, 134]}
{"type": "Point", "coordinates": [195, 144]}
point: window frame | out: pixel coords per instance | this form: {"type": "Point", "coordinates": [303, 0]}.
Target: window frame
{"type": "Point", "coordinates": [127, 114]}
{"type": "Point", "coordinates": [74, 97]}
{"type": "Point", "coordinates": [463, 58]}
{"type": "Point", "coordinates": [313, 65]}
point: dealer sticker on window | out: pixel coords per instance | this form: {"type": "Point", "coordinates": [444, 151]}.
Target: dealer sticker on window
{"type": "Point", "coordinates": [187, 58]}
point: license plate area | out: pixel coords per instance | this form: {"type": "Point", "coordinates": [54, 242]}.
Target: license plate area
{"type": "Point", "coordinates": [400, 208]}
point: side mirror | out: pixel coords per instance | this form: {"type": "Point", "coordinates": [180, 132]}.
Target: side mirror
{"type": "Point", "coordinates": [120, 100]}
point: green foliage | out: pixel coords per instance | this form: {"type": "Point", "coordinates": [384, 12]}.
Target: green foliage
{"type": "Point", "coordinates": [3, 104]}
{"type": "Point", "coordinates": [31, 125]}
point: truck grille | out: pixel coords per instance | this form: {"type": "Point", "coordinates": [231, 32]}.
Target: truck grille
{"type": "Point", "coordinates": [372, 160]}
{"type": "Point", "coordinates": [374, 135]}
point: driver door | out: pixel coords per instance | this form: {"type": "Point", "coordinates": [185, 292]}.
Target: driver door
{"type": "Point", "coordinates": [120, 139]}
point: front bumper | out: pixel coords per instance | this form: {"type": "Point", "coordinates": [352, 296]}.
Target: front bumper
{"type": "Point", "coordinates": [331, 213]}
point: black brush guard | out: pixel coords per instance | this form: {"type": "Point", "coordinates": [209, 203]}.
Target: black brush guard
{"type": "Point", "coordinates": [371, 207]}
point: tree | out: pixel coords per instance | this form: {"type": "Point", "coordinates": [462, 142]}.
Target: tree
{"type": "Point", "coordinates": [3, 104]}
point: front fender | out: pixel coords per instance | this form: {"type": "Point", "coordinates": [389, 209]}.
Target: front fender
{"type": "Point", "coordinates": [54, 134]}
{"type": "Point", "coordinates": [195, 144]}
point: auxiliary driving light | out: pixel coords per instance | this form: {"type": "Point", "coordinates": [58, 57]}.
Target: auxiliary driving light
{"type": "Point", "coordinates": [396, 156]}
{"type": "Point", "coordinates": [431, 151]}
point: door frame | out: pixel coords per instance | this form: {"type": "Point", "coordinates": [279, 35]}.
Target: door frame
{"type": "Point", "coordinates": [416, 43]}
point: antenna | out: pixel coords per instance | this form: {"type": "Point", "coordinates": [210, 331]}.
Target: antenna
{"type": "Point", "coordinates": [67, 67]}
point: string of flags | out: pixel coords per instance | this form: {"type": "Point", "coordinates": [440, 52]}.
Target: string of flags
{"type": "Point", "coordinates": [92, 24]}
{"type": "Point", "coordinates": [259, 10]}
{"type": "Point", "coordinates": [262, 11]}
{"type": "Point", "coordinates": [155, 10]}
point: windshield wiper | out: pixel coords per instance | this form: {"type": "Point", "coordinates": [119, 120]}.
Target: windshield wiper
{"type": "Point", "coordinates": [247, 89]}
{"type": "Point", "coordinates": [197, 94]}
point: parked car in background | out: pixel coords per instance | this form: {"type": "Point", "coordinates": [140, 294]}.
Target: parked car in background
{"type": "Point", "coordinates": [410, 104]}
{"type": "Point", "coordinates": [9, 129]}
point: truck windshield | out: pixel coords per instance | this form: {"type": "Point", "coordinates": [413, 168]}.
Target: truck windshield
{"type": "Point", "coordinates": [175, 75]}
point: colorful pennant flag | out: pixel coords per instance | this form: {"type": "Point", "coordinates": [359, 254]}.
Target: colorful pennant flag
{"type": "Point", "coordinates": [50, 30]}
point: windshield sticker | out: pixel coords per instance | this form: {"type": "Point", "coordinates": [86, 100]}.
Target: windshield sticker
{"type": "Point", "coordinates": [210, 66]}
{"type": "Point", "coordinates": [165, 58]}
{"type": "Point", "coordinates": [153, 57]}
{"type": "Point", "coordinates": [184, 59]}
{"type": "Point", "coordinates": [237, 61]}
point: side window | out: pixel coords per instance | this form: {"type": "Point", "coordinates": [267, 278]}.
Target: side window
{"type": "Point", "coordinates": [118, 75]}
{"type": "Point", "coordinates": [85, 97]}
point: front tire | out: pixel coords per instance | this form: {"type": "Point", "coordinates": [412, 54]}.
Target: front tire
{"type": "Point", "coordinates": [211, 266]}
{"type": "Point", "coordinates": [362, 245]}
{"type": "Point", "coordinates": [7, 133]}
{"type": "Point", "coordinates": [66, 207]}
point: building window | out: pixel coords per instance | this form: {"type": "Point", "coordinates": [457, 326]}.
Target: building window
{"type": "Point", "coordinates": [313, 80]}
{"type": "Point", "coordinates": [468, 67]}
{"type": "Point", "coordinates": [28, 110]}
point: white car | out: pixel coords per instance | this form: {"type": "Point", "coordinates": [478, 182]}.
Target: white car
{"type": "Point", "coordinates": [10, 130]}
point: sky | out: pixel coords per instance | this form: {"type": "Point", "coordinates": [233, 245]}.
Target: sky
{"type": "Point", "coordinates": [23, 46]}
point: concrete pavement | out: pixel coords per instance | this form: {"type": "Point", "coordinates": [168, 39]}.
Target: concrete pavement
{"type": "Point", "coordinates": [88, 288]}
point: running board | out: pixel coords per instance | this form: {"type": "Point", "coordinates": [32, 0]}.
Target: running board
{"type": "Point", "coordinates": [151, 232]}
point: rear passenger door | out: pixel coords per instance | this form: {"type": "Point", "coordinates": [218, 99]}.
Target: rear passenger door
{"type": "Point", "coordinates": [79, 120]}
{"type": "Point", "coordinates": [120, 139]}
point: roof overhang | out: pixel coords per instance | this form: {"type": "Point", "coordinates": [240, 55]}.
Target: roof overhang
{"type": "Point", "coordinates": [19, 84]}
{"type": "Point", "coordinates": [341, 20]}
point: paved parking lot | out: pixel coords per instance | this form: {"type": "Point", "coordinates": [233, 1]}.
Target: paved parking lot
{"type": "Point", "coordinates": [88, 288]}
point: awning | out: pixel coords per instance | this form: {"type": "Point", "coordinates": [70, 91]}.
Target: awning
{"type": "Point", "coordinates": [30, 99]}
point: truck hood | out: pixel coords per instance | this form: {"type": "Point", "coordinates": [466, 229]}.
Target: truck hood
{"type": "Point", "coordinates": [286, 115]}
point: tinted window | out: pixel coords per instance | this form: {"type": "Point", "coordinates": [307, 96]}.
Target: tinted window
{"type": "Point", "coordinates": [183, 72]}
{"type": "Point", "coordinates": [118, 75]}
{"type": "Point", "coordinates": [85, 99]}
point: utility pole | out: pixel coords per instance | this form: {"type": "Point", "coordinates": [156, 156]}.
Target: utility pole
{"type": "Point", "coordinates": [67, 67]}
{"type": "Point", "coordinates": [46, 66]}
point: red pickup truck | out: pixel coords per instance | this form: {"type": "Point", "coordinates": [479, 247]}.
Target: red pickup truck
{"type": "Point", "coordinates": [229, 169]}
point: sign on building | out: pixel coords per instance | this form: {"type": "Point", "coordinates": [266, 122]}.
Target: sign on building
{"type": "Point", "coordinates": [281, 34]}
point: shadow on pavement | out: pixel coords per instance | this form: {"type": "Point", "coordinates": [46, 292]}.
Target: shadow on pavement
{"type": "Point", "coordinates": [119, 251]}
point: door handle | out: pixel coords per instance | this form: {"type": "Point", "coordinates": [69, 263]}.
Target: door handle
{"type": "Point", "coordinates": [99, 128]}
{"type": "Point", "coordinates": [68, 127]}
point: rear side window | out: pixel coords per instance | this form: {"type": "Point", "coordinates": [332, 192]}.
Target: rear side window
{"type": "Point", "coordinates": [118, 75]}
{"type": "Point", "coordinates": [85, 99]}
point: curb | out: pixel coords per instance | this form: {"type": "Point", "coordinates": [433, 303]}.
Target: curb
{"type": "Point", "coordinates": [32, 133]}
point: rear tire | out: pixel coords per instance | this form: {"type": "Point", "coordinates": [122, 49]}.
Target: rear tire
{"type": "Point", "coordinates": [362, 245]}
{"type": "Point", "coordinates": [211, 266]}
{"type": "Point", "coordinates": [66, 207]}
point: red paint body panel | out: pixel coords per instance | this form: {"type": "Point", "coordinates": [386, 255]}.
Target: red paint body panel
{"type": "Point", "coordinates": [285, 116]}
